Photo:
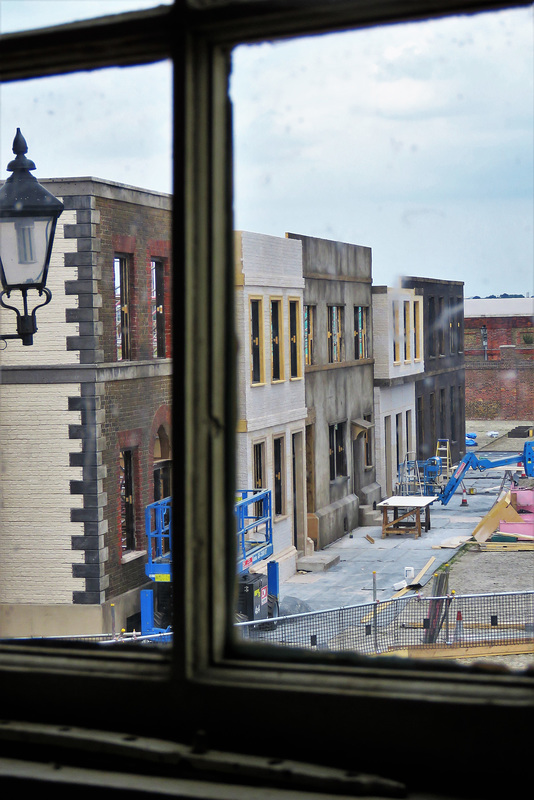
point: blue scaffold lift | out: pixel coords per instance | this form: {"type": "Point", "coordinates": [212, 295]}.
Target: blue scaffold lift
{"type": "Point", "coordinates": [158, 527]}
{"type": "Point", "coordinates": [258, 594]}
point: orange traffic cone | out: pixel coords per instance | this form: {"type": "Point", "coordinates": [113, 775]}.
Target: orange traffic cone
{"type": "Point", "coordinates": [464, 497]}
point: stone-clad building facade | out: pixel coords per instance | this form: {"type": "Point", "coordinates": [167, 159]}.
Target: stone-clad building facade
{"type": "Point", "coordinates": [338, 354]}
{"type": "Point", "coordinates": [86, 417]}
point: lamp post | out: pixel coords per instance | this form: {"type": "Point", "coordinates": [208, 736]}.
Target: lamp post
{"type": "Point", "coordinates": [28, 217]}
{"type": "Point", "coordinates": [484, 334]}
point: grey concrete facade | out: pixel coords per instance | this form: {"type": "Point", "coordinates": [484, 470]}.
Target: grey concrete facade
{"type": "Point", "coordinates": [341, 474]}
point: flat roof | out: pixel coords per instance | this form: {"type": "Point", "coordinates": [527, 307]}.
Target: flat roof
{"type": "Point", "coordinates": [499, 307]}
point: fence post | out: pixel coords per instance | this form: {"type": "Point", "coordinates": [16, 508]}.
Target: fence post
{"type": "Point", "coordinates": [375, 613]}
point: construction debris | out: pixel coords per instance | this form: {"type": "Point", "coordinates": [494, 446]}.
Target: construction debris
{"type": "Point", "coordinates": [502, 510]}
{"type": "Point", "coordinates": [453, 542]}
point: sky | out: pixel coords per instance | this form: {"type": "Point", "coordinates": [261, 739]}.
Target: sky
{"type": "Point", "coordinates": [414, 140]}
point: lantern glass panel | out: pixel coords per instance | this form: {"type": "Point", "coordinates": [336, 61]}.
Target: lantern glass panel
{"type": "Point", "coordinates": [24, 246]}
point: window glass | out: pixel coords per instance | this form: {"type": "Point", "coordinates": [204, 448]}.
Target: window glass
{"type": "Point", "coordinates": [21, 15]}
{"type": "Point", "coordinates": [414, 142]}
{"type": "Point", "coordinates": [95, 444]}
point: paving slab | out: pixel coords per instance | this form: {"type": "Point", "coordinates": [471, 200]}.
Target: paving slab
{"type": "Point", "coordinates": [349, 581]}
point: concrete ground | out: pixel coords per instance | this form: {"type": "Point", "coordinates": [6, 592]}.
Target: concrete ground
{"type": "Point", "coordinates": [342, 574]}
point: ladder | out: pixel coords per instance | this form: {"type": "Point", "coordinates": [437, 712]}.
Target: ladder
{"type": "Point", "coordinates": [443, 451]}
{"type": "Point", "coordinates": [409, 476]}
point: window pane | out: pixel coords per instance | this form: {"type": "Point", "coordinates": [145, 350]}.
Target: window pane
{"type": "Point", "coordinates": [21, 15]}
{"type": "Point", "coordinates": [402, 151]}
{"type": "Point", "coordinates": [85, 440]}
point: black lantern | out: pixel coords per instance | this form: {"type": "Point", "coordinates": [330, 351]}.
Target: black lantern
{"type": "Point", "coordinates": [28, 217]}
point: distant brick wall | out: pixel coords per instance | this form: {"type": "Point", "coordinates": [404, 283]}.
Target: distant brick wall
{"type": "Point", "coordinates": [500, 389]}
{"type": "Point", "coordinates": [501, 332]}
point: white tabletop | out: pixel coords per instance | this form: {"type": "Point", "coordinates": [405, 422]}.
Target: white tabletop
{"type": "Point", "coordinates": [407, 501]}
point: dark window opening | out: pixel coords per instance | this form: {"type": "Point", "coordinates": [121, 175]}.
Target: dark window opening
{"type": "Point", "coordinates": [127, 504]}
{"type": "Point", "coordinates": [121, 269]}
{"type": "Point", "coordinates": [158, 309]}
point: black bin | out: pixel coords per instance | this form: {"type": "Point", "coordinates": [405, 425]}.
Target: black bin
{"type": "Point", "coordinates": [252, 596]}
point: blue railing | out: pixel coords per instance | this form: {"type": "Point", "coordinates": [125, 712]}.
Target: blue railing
{"type": "Point", "coordinates": [253, 510]}
{"type": "Point", "coordinates": [158, 527]}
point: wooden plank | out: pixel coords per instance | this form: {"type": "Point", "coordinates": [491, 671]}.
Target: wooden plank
{"type": "Point", "coordinates": [416, 580]}
{"type": "Point", "coordinates": [503, 546]}
{"type": "Point", "coordinates": [455, 651]}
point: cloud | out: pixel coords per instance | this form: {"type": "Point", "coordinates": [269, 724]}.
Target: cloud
{"type": "Point", "coordinates": [365, 134]}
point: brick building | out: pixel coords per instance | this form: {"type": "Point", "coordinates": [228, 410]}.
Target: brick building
{"type": "Point", "coordinates": [499, 358]}
{"type": "Point", "coordinates": [86, 423]}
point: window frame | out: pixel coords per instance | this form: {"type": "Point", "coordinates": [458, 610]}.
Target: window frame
{"type": "Point", "coordinates": [157, 306]}
{"type": "Point", "coordinates": [122, 269]}
{"type": "Point", "coordinates": [338, 451]}
{"type": "Point", "coordinates": [295, 337]}
{"type": "Point", "coordinates": [361, 332]}
{"type": "Point", "coordinates": [208, 675]}
{"type": "Point", "coordinates": [276, 335]}
{"type": "Point", "coordinates": [257, 348]}
{"type": "Point", "coordinates": [310, 315]}
{"type": "Point", "coordinates": [335, 333]}
{"type": "Point", "coordinates": [279, 475]}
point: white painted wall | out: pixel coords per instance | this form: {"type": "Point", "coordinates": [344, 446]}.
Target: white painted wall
{"type": "Point", "coordinates": [269, 267]}
{"type": "Point", "coordinates": [36, 556]}
{"type": "Point", "coordinates": [384, 332]}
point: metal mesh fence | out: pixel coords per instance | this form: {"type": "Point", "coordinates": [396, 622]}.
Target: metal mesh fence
{"type": "Point", "coordinates": [407, 623]}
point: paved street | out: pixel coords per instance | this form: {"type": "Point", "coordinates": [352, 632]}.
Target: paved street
{"type": "Point", "coordinates": [350, 582]}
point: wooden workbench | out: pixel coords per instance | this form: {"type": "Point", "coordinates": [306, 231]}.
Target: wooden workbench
{"type": "Point", "coordinates": [412, 505]}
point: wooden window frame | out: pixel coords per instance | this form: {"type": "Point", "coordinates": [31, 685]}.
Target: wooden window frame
{"type": "Point", "coordinates": [209, 674]}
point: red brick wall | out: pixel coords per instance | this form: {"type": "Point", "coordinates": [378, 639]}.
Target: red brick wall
{"type": "Point", "coordinates": [500, 389]}
{"type": "Point", "coordinates": [142, 233]}
{"type": "Point", "coordinates": [502, 331]}
{"type": "Point", "coordinates": [134, 410]}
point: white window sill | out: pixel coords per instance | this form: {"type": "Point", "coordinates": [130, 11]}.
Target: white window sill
{"type": "Point", "coordinates": [132, 555]}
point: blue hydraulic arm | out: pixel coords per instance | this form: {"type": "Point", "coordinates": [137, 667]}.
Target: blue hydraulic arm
{"type": "Point", "coordinates": [470, 461]}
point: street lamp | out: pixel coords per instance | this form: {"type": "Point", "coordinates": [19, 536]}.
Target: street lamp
{"type": "Point", "coordinates": [484, 334]}
{"type": "Point", "coordinates": [28, 217]}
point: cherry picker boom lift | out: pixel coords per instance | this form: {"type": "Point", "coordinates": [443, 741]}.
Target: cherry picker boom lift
{"type": "Point", "coordinates": [470, 461]}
